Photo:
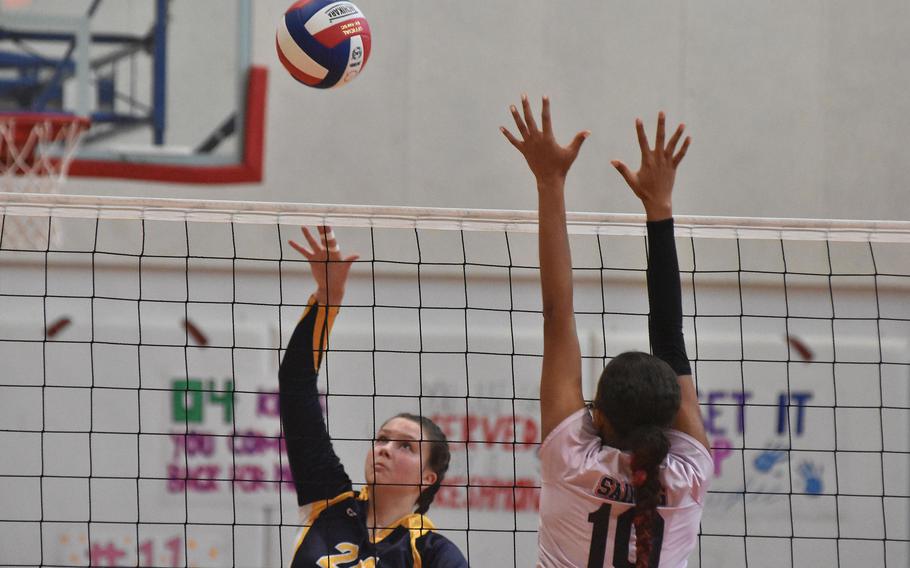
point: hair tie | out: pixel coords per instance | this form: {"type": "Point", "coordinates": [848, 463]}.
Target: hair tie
{"type": "Point", "coordinates": [639, 476]}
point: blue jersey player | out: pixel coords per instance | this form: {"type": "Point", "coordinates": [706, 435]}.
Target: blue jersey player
{"type": "Point", "coordinates": [384, 523]}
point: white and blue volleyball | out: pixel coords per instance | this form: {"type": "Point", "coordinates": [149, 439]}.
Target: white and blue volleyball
{"type": "Point", "coordinates": [323, 43]}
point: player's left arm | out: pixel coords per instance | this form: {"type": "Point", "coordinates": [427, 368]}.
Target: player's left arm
{"type": "Point", "coordinates": [653, 185]}
{"type": "Point", "coordinates": [560, 381]}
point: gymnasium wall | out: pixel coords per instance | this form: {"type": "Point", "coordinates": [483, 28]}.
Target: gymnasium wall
{"type": "Point", "coordinates": [797, 109]}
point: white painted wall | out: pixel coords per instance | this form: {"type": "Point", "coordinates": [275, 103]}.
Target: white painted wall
{"type": "Point", "coordinates": [796, 109]}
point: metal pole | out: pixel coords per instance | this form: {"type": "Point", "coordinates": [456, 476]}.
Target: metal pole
{"type": "Point", "coordinates": [244, 29]}
{"type": "Point", "coordinates": [159, 72]}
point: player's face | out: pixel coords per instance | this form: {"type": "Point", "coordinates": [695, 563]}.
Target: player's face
{"type": "Point", "coordinates": [398, 457]}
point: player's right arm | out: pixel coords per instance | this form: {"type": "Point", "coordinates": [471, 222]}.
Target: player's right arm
{"type": "Point", "coordinates": [560, 380]}
{"type": "Point", "coordinates": [318, 473]}
{"type": "Point", "coordinates": [653, 185]}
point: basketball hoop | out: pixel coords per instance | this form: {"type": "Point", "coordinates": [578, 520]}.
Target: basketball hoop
{"type": "Point", "coordinates": [35, 153]}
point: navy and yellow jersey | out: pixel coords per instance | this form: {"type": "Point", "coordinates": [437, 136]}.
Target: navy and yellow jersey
{"type": "Point", "coordinates": [334, 516]}
{"type": "Point", "coordinates": [335, 534]}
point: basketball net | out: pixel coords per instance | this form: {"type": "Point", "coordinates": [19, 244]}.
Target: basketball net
{"type": "Point", "coordinates": [35, 153]}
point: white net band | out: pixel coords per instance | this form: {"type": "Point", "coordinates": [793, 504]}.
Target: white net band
{"type": "Point", "coordinates": [268, 213]}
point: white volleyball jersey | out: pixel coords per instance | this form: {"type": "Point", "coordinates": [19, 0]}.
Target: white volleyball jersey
{"type": "Point", "coordinates": [587, 498]}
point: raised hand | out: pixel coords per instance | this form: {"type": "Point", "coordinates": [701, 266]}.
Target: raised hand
{"type": "Point", "coordinates": [653, 182]}
{"type": "Point", "coordinates": [329, 267]}
{"type": "Point", "coordinates": [549, 162]}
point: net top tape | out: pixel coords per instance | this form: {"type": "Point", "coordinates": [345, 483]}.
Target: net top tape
{"type": "Point", "coordinates": [271, 213]}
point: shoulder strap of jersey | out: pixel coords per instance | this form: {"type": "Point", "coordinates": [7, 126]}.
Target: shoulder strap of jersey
{"type": "Point", "coordinates": [312, 512]}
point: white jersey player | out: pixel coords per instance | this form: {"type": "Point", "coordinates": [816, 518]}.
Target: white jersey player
{"type": "Point", "coordinates": [624, 481]}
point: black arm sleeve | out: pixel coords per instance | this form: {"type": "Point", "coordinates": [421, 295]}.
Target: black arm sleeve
{"type": "Point", "coordinates": [665, 298]}
{"type": "Point", "coordinates": [318, 473]}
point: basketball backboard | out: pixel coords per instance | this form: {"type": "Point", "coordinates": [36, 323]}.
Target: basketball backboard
{"type": "Point", "coordinates": [167, 84]}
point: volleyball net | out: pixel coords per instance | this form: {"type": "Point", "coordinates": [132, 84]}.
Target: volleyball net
{"type": "Point", "coordinates": [140, 348]}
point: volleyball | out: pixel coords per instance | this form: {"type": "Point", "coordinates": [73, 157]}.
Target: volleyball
{"type": "Point", "coordinates": [323, 43]}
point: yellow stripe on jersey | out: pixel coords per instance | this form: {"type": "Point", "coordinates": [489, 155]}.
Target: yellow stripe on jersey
{"type": "Point", "coordinates": [417, 525]}
{"type": "Point", "coordinates": [325, 318]}
{"type": "Point", "coordinates": [319, 336]}
{"type": "Point", "coordinates": [317, 510]}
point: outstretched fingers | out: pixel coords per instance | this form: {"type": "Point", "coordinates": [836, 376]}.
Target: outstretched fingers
{"type": "Point", "coordinates": [327, 236]}
{"type": "Point", "coordinates": [545, 117]}
{"type": "Point", "coordinates": [314, 245]}
{"type": "Point", "coordinates": [625, 172]}
{"type": "Point", "coordinates": [642, 138]}
{"type": "Point", "coordinates": [674, 140]}
{"type": "Point", "coordinates": [307, 253]}
{"type": "Point", "coordinates": [576, 143]}
{"type": "Point", "coordinates": [522, 129]}
{"type": "Point", "coordinates": [661, 131]}
{"type": "Point", "coordinates": [547, 159]}
{"type": "Point", "coordinates": [512, 140]}
{"type": "Point", "coordinates": [682, 151]}
{"type": "Point", "coordinates": [668, 151]}
{"type": "Point", "coordinates": [529, 114]}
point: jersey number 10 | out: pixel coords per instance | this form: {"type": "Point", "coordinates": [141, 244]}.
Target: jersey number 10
{"type": "Point", "coordinates": [598, 551]}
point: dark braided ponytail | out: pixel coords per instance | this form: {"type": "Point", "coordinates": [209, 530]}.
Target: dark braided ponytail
{"type": "Point", "coordinates": [649, 447]}
{"type": "Point", "coordinates": [639, 394]}
{"type": "Point", "coordinates": [437, 460]}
